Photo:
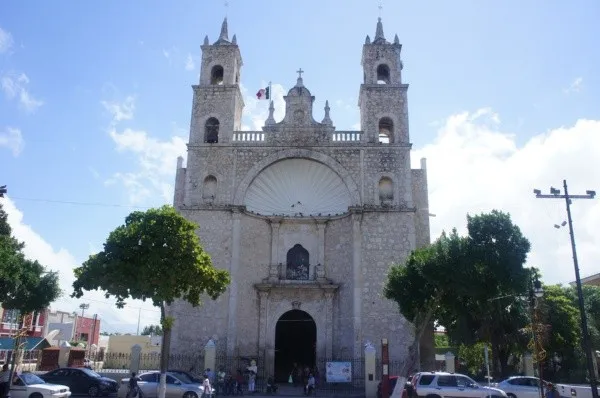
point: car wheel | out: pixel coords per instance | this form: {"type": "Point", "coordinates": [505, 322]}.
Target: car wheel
{"type": "Point", "coordinates": [93, 391]}
{"type": "Point", "coordinates": [36, 395]}
{"type": "Point", "coordinates": [432, 396]}
{"type": "Point", "coordinates": [511, 395]}
{"type": "Point", "coordinates": [190, 394]}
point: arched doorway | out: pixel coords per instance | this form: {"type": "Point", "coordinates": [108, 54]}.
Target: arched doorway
{"type": "Point", "coordinates": [295, 342]}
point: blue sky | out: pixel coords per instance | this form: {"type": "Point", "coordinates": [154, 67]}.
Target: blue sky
{"type": "Point", "coordinates": [96, 99]}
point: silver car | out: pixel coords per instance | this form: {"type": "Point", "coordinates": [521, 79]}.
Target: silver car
{"type": "Point", "coordinates": [521, 387]}
{"type": "Point", "coordinates": [178, 386]}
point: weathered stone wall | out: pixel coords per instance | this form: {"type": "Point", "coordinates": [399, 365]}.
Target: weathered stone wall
{"type": "Point", "coordinates": [215, 101]}
{"type": "Point", "coordinates": [195, 326]}
{"type": "Point", "coordinates": [388, 238]}
{"type": "Point", "coordinates": [378, 101]}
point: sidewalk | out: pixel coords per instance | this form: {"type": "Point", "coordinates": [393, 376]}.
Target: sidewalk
{"type": "Point", "coordinates": [285, 390]}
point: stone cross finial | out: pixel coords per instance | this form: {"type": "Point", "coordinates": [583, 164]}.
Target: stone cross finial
{"type": "Point", "coordinates": [224, 34]}
{"type": "Point", "coordinates": [300, 72]}
{"type": "Point", "coordinates": [327, 118]}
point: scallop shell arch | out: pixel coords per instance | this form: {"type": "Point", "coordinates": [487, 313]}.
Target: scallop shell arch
{"type": "Point", "coordinates": [297, 153]}
{"type": "Point", "coordinates": [297, 187]}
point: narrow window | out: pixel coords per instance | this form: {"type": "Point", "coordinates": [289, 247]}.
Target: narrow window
{"type": "Point", "coordinates": [386, 190]}
{"type": "Point", "coordinates": [216, 75]}
{"type": "Point", "coordinates": [211, 131]}
{"type": "Point", "coordinates": [383, 74]}
{"type": "Point", "coordinates": [386, 130]}
{"type": "Point", "coordinates": [209, 188]}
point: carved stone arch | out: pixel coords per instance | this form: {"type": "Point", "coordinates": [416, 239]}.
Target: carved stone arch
{"type": "Point", "coordinates": [313, 308]}
{"type": "Point", "coordinates": [383, 73]}
{"type": "Point", "coordinates": [217, 75]}
{"type": "Point", "coordinates": [211, 130]}
{"type": "Point", "coordinates": [395, 188]}
{"type": "Point", "coordinates": [242, 187]}
{"type": "Point", "coordinates": [387, 128]}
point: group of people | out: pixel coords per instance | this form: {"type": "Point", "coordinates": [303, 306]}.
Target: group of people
{"type": "Point", "coordinates": [306, 377]}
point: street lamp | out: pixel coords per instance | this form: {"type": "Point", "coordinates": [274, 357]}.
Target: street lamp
{"type": "Point", "coordinates": [555, 194]}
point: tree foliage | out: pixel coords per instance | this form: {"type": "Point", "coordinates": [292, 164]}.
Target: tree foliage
{"type": "Point", "coordinates": [152, 330]}
{"type": "Point", "coordinates": [24, 284]}
{"type": "Point", "coordinates": [458, 282]}
{"type": "Point", "coordinates": [155, 255]}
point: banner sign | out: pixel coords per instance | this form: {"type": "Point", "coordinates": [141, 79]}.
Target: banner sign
{"type": "Point", "coordinates": [338, 372]}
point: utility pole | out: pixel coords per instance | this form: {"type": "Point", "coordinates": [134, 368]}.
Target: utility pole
{"type": "Point", "coordinates": [139, 319]}
{"type": "Point", "coordinates": [84, 307]}
{"type": "Point", "coordinates": [555, 194]}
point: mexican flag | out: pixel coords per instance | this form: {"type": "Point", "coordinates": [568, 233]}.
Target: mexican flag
{"type": "Point", "coordinates": [264, 93]}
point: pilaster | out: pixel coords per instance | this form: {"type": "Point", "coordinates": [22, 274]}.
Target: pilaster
{"type": "Point", "coordinates": [274, 241]}
{"type": "Point", "coordinates": [263, 316]}
{"type": "Point", "coordinates": [321, 237]}
{"type": "Point", "coordinates": [233, 289]}
{"type": "Point", "coordinates": [357, 282]}
{"type": "Point", "coordinates": [329, 325]}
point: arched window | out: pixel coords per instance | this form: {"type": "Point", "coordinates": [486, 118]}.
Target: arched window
{"type": "Point", "coordinates": [386, 190]}
{"type": "Point", "coordinates": [211, 131]}
{"type": "Point", "coordinates": [216, 75]}
{"type": "Point", "coordinates": [297, 263]}
{"type": "Point", "coordinates": [383, 74]}
{"type": "Point", "coordinates": [209, 188]}
{"type": "Point", "coordinates": [386, 130]}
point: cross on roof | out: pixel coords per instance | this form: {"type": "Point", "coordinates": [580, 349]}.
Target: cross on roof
{"type": "Point", "coordinates": [300, 72]}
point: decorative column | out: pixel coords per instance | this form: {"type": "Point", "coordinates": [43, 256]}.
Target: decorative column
{"type": "Point", "coordinates": [233, 290]}
{"type": "Point", "coordinates": [357, 282]}
{"type": "Point", "coordinates": [329, 325]}
{"type": "Point", "coordinates": [321, 246]}
{"type": "Point", "coordinates": [450, 365]}
{"type": "Point", "coordinates": [274, 241]}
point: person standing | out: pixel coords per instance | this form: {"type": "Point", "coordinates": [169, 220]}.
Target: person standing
{"type": "Point", "coordinates": [4, 378]}
{"type": "Point", "coordinates": [134, 389]}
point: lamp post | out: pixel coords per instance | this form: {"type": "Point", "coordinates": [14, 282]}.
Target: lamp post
{"type": "Point", "coordinates": [83, 307]}
{"type": "Point", "coordinates": [535, 293]}
{"type": "Point", "coordinates": [555, 194]}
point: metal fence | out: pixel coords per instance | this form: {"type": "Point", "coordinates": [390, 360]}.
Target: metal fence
{"type": "Point", "coordinates": [122, 361]}
{"type": "Point", "coordinates": [29, 361]}
{"type": "Point", "coordinates": [355, 387]}
{"type": "Point", "coordinates": [233, 364]}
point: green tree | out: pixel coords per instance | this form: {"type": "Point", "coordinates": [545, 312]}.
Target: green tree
{"type": "Point", "coordinates": [432, 277]}
{"type": "Point", "coordinates": [473, 357]}
{"type": "Point", "coordinates": [152, 330]}
{"type": "Point", "coordinates": [441, 340]}
{"type": "Point", "coordinates": [155, 255]}
{"type": "Point", "coordinates": [25, 285]}
{"type": "Point", "coordinates": [470, 284]}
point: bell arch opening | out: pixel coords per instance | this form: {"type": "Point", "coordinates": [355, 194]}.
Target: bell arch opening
{"type": "Point", "coordinates": [383, 74]}
{"type": "Point", "coordinates": [295, 344]}
{"type": "Point", "coordinates": [211, 130]}
{"type": "Point", "coordinates": [216, 75]}
{"type": "Point", "coordinates": [386, 130]}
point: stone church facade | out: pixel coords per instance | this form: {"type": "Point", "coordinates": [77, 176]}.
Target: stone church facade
{"type": "Point", "coordinates": [305, 218]}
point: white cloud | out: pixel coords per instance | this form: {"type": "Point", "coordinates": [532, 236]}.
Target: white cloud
{"type": "Point", "coordinates": [474, 166]}
{"type": "Point", "coordinates": [156, 160]}
{"type": "Point", "coordinates": [63, 262]}
{"type": "Point", "coordinates": [6, 41]}
{"type": "Point", "coordinates": [575, 86]}
{"type": "Point", "coordinates": [189, 63]}
{"type": "Point", "coordinates": [12, 139]}
{"type": "Point", "coordinates": [14, 86]}
{"type": "Point", "coordinates": [120, 110]}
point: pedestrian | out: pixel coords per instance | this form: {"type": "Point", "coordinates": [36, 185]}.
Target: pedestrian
{"type": "Point", "coordinates": [310, 384]}
{"type": "Point", "coordinates": [206, 388]}
{"type": "Point", "coordinates": [4, 378]}
{"type": "Point", "coordinates": [134, 389]}
{"type": "Point", "coordinates": [551, 391]}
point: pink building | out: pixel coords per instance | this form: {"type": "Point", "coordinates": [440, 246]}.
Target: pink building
{"type": "Point", "coordinates": [87, 329]}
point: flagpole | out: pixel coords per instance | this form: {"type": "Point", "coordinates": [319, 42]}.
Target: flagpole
{"type": "Point", "coordinates": [270, 92]}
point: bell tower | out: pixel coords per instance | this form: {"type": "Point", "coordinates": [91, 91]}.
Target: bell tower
{"type": "Point", "coordinates": [218, 104]}
{"type": "Point", "coordinates": [382, 100]}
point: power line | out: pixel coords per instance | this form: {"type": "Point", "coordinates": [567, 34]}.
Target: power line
{"type": "Point", "coordinates": [69, 202]}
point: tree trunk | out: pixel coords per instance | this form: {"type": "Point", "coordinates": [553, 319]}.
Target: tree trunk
{"type": "Point", "coordinates": [15, 353]}
{"type": "Point", "coordinates": [164, 353]}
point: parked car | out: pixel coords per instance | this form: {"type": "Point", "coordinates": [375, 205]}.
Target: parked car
{"type": "Point", "coordinates": [447, 385]}
{"type": "Point", "coordinates": [521, 387]}
{"type": "Point", "coordinates": [28, 385]}
{"type": "Point", "coordinates": [82, 381]}
{"type": "Point", "coordinates": [178, 386]}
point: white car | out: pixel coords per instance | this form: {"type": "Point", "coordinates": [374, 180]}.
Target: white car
{"type": "Point", "coordinates": [178, 386]}
{"type": "Point", "coordinates": [521, 387]}
{"type": "Point", "coordinates": [28, 385]}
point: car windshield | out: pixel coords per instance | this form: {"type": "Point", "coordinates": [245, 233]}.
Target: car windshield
{"type": "Point", "coordinates": [30, 378]}
{"type": "Point", "coordinates": [90, 373]}
{"type": "Point", "coordinates": [183, 377]}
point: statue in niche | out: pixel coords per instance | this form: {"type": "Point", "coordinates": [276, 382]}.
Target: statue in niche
{"type": "Point", "coordinates": [297, 263]}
